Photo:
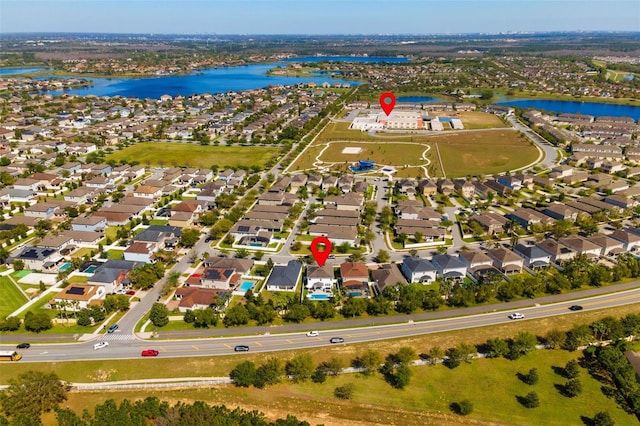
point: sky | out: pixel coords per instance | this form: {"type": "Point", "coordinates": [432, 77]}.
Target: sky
{"type": "Point", "coordinates": [317, 16]}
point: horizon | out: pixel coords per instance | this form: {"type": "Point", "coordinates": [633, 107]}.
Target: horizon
{"type": "Point", "coordinates": [322, 17]}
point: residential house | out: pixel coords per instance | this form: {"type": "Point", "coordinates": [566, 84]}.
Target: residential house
{"type": "Point", "coordinates": [478, 263]}
{"type": "Point", "coordinates": [37, 258]}
{"type": "Point", "coordinates": [355, 279]}
{"type": "Point", "coordinates": [559, 252]}
{"type": "Point", "coordinates": [284, 278]}
{"type": "Point", "coordinates": [320, 281]}
{"type": "Point", "coordinates": [581, 245]}
{"type": "Point", "coordinates": [418, 270]}
{"type": "Point", "coordinates": [192, 298]}
{"type": "Point", "coordinates": [449, 267]}
{"type": "Point", "coordinates": [78, 296]}
{"type": "Point", "coordinates": [534, 256]}
{"type": "Point", "coordinates": [608, 246]}
{"type": "Point", "coordinates": [141, 252]}
{"type": "Point", "coordinates": [506, 260]}
{"type": "Point", "coordinates": [114, 274]}
{"type": "Point", "coordinates": [630, 240]}
{"type": "Point", "coordinates": [386, 275]}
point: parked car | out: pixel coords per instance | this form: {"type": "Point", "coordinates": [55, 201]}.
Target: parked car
{"type": "Point", "coordinates": [23, 346]}
{"type": "Point", "coordinates": [131, 292]}
{"type": "Point", "coordinates": [100, 345]}
{"type": "Point", "coordinates": [208, 239]}
{"type": "Point", "coordinates": [336, 340]}
{"type": "Point", "coordinates": [516, 315]}
{"type": "Point", "coordinates": [150, 352]}
{"type": "Point", "coordinates": [241, 348]}
{"type": "Point", "coordinates": [575, 308]}
{"type": "Point", "coordinates": [312, 333]}
{"type": "Point", "coordinates": [113, 328]}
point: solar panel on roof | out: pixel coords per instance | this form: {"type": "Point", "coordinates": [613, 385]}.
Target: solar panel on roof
{"type": "Point", "coordinates": [76, 290]}
{"type": "Point", "coordinates": [243, 228]}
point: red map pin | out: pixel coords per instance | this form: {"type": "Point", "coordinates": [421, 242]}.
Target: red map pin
{"type": "Point", "coordinates": [321, 255]}
{"type": "Point", "coordinates": [387, 102]}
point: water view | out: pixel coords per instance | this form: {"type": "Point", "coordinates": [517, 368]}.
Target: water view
{"type": "Point", "coordinates": [417, 99]}
{"type": "Point", "coordinates": [18, 71]}
{"type": "Point", "coordinates": [589, 108]}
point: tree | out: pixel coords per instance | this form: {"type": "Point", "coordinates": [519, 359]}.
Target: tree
{"type": "Point", "coordinates": [435, 354]}
{"type": "Point", "coordinates": [269, 373]}
{"type": "Point", "coordinates": [159, 315]}
{"type": "Point", "coordinates": [32, 394]}
{"type": "Point", "coordinates": [555, 339]}
{"type": "Point", "coordinates": [18, 265]}
{"type": "Point", "coordinates": [297, 313]}
{"type": "Point", "coordinates": [323, 310]}
{"type": "Point", "coordinates": [405, 355]}
{"type": "Point", "coordinates": [530, 400]}
{"type": "Point", "coordinates": [523, 343]}
{"type": "Point", "coordinates": [353, 307]}
{"type": "Point", "coordinates": [345, 391]}
{"type": "Point", "coordinates": [572, 388]}
{"type": "Point", "coordinates": [572, 369]}
{"type": "Point", "coordinates": [383, 256]}
{"type": "Point", "coordinates": [237, 315]}
{"type": "Point", "coordinates": [497, 348]}
{"type": "Point", "coordinates": [401, 377]}
{"type": "Point", "coordinates": [300, 368]}
{"type": "Point", "coordinates": [189, 237]}
{"type": "Point", "coordinates": [463, 408]}
{"type": "Point", "coordinates": [603, 418]}
{"type": "Point", "coordinates": [244, 374]}
{"type": "Point", "coordinates": [532, 377]}
{"type": "Point", "coordinates": [333, 367]}
{"type": "Point", "coordinates": [37, 322]}
{"type": "Point", "coordinates": [369, 361]}
{"type": "Point", "coordinates": [10, 324]}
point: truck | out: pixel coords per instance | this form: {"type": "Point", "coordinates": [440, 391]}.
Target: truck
{"type": "Point", "coordinates": [10, 356]}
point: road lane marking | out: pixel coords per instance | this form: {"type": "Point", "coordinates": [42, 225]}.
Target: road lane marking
{"type": "Point", "coordinates": [228, 346]}
{"type": "Point", "coordinates": [259, 344]}
{"type": "Point", "coordinates": [195, 347]}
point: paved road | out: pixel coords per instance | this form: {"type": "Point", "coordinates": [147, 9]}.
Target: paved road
{"type": "Point", "coordinates": [265, 339]}
{"type": "Point", "coordinates": [550, 152]}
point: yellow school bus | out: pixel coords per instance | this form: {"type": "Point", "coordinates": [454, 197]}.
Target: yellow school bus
{"type": "Point", "coordinates": [10, 356]}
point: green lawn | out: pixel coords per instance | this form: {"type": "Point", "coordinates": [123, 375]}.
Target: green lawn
{"type": "Point", "coordinates": [195, 155]}
{"type": "Point", "coordinates": [11, 298]}
{"type": "Point", "coordinates": [116, 254]}
{"type": "Point", "coordinates": [491, 385]}
{"type": "Point", "coordinates": [483, 153]}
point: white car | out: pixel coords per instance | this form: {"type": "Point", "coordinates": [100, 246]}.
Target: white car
{"type": "Point", "coordinates": [100, 345]}
{"type": "Point", "coordinates": [312, 334]}
{"type": "Point", "coordinates": [516, 315]}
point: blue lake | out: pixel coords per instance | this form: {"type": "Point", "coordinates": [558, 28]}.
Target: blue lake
{"type": "Point", "coordinates": [213, 80]}
{"type": "Point", "coordinates": [418, 99]}
{"type": "Point", "coordinates": [589, 108]}
{"type": "Point", "coordinates": [17, 71]}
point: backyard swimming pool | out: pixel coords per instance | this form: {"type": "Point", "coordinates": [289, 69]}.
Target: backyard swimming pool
{"type": "Point", "coordinates": [65, 267]}
{"type": "Point", "coordinates": [90, 270]}
{"type": "Point", "coordinates": [319, 297]}
{"type": "Point", "coordinates": [246, 286]}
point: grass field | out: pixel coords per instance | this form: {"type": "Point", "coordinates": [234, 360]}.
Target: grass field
{"type": "Point", "coordinates": [195, 155]}
{"type": "Point", "coordinates": [480, 120]}
{"type": "Point", "coordinates": [382, 152]}
{"type": "Point", "coordinates": [483, 153]}
{"type": "Point", "coordinates": [490, 384]}
{"type": "Point", "coordinates": [11, 298]}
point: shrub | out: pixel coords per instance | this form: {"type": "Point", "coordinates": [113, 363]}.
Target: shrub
{"type": "Point", "coordinates": [572, 369]}
{"type": "Point", "coordinates": [531, 378]}
{"type": "Point", "coordinates": [344, 392]}
{"type": "Point", "coordinates": [530, 400]}
{"type": "Point", "coordinates": [572, 388]}
{"type": "Point", "coordinates": [463, 408]}
{"type": "Point", "coordinates": [603, 418]}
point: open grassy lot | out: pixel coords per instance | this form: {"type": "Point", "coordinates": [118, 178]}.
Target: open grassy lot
{"type": "Point", "coordinates": [483, 153]}
{"type": "Point", "coordinates": [195, 155]}
{"type": "Point", "coordinates": [382, 152]}
{"type": "Point", "coordinates": [11, 298]}
{"type": "Point", "coordinates": [492, 385]}
{"type": "Point", "coordinates": [480, 120]}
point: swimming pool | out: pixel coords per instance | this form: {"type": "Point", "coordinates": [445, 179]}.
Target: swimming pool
{"type": "Point", "coordinates": [90, 270]}
{"type": "Point", "coordinates": [65, 267]}
{"type": "Point", "coordinates": [246, 286]}
{"type": "Point", "coordinates": [319, 297]}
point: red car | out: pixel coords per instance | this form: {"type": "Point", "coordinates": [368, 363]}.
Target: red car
{"type": "Point", "coordinates": [150, 352]}
{"type": "Point", "coordinates": [131, 292]}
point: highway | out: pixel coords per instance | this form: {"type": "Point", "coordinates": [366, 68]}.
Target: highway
{"type": "Point", "coordinates": [122, 346]}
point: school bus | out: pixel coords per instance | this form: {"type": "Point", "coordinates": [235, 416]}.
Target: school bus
{"type": "Point", "coordinates": [10, 356]}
